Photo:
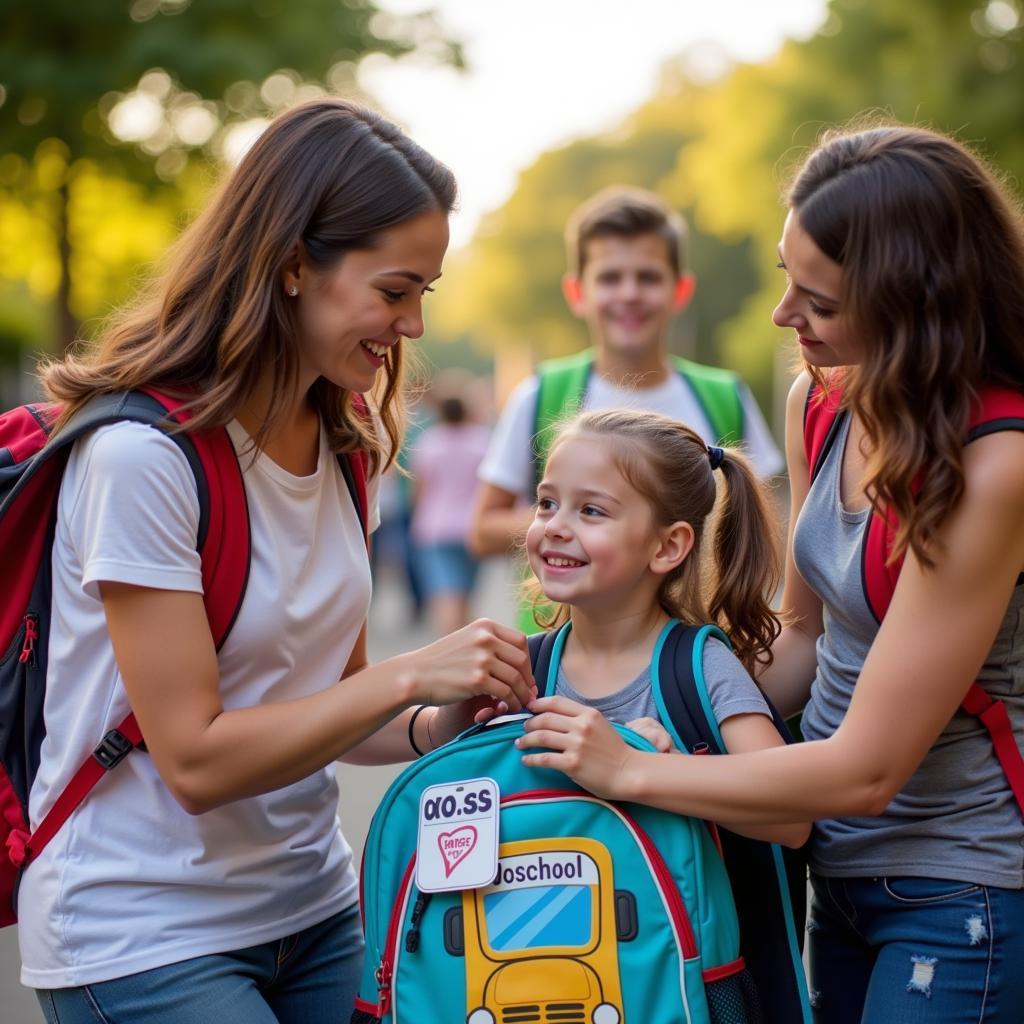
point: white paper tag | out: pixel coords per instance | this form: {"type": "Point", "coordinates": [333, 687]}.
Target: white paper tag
{"type": "Point", "coordinates": [457, 836]}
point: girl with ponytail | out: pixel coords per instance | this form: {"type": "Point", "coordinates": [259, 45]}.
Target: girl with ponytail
{"type": "Point", "coordinates": [618, 545]}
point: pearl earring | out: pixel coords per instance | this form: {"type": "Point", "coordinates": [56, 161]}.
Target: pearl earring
{"type": "Point", "coordinates": [293, 290]}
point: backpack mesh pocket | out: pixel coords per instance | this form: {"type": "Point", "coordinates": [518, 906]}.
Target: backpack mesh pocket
{"type": "Point", "coordinates": [733, 1000]}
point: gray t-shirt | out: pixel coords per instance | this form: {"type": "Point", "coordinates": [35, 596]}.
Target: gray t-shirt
{"type": "Point", "coordinates": [730, 690]}
{"type": "Point", "coordinates": [956, 817]}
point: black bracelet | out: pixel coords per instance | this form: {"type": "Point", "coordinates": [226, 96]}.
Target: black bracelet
{"type": "Point", "coordinates": [412, 726]}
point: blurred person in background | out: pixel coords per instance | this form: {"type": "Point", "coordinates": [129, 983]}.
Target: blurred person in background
{"type": "Point", "coordinates": [444, 462]}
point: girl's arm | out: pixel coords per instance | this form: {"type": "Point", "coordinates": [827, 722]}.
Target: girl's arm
{"type": "Point", "coordinates": [934, 639]}
{"type": "Point", "coordinates": [787, 681]}
{"type": "Point", "coordinates": [209, 756]}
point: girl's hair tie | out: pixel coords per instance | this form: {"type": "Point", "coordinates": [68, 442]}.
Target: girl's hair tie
{"type": "Point", "coordinates": [715, 456]}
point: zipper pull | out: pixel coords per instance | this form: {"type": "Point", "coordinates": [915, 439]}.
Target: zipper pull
{"type": "Point", "coordinates": [28, 647]}
{"type": "Point", "coordinates": [383, 977]}
{"type": "Point", "coordinates": [700, 748]}
{"type": "Point", "coordinates": [412, 938]}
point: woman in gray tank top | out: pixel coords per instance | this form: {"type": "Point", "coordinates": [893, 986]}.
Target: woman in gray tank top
{"type": "Point", "coordinates": [905, 288]}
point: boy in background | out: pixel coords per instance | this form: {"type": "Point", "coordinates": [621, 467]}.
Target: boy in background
{"type": "Point", "coordinates": [626, 281]}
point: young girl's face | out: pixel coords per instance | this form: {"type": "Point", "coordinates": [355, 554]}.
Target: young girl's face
{"type": "Point", "coordinates": [593, 537]}
{"type": "Point", "coordinates": [350, 315]}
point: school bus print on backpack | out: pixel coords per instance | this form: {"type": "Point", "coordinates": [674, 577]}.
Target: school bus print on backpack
{"type": "Point", "coordinates": [540, 942]}
{"type": "Point", "coordinates": [590, 901]}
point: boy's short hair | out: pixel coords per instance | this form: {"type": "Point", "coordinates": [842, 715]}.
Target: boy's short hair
{"type": "Point", "coordinates": [623, 211]}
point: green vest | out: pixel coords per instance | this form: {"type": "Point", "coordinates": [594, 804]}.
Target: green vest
{"type": "Point", "coordinates": [562, 388]}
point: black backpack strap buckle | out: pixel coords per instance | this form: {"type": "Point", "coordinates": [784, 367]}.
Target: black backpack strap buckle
{"type": "Point", "coordinates": [113, 749]}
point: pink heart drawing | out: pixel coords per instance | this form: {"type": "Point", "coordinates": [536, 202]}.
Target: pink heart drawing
{"type": "Point", "coordinates": [456, 846]}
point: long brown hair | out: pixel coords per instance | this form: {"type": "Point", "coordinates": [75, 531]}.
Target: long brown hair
{"type": "Point", "coordinates": [328, 173]}
{"type": "Point", "coordinates": [669, 464]}
{"type": "Point", "coordinates": [932, 252]}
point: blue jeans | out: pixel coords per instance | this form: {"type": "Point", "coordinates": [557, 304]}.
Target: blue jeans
{"type": "Point", "coordinates": [915, 951]}
{"type": "Point", "coordinates": [308, 978]}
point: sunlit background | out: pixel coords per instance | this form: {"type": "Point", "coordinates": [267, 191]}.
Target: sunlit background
{"type": "Point", "coordinates": [116, 119]}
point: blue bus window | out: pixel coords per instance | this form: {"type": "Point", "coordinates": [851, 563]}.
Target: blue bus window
{"type": "Point", "coordinates": [539, 916]}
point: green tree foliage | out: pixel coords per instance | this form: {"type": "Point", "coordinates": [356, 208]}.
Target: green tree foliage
{"type": "Point", "coordinates": [957, 66]}
{"type": "Point", "coordinates": [509, 279]}
{"type": "Point", "coordinates": [722, 153]}
{"type": "Point", "coordinates": [92, 90]}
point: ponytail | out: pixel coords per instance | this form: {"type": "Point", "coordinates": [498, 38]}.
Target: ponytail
{"type": "Point", "coordinates": [745, 563]}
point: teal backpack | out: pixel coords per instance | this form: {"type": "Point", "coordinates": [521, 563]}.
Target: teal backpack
{"type": "Point", "coordinates": [769, 881]}
{"type": "Point", "coordinates": [599, 913]}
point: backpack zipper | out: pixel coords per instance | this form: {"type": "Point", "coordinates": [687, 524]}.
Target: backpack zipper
{"type": "Point", "coordinates": [28, 645]}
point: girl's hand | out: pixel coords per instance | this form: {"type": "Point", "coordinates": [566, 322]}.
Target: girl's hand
{"type": "Point", "coordinates": [654, 732]}
{"type": "Point", "coordinates": [483, 659]}
{"type": "Point", "coordinates": [578, 741]}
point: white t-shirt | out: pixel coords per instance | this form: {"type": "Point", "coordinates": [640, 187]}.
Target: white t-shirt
{"type": "Point", "coordinates": [509, 462]}
{"type": "Point", "coordinates": [131, 881]}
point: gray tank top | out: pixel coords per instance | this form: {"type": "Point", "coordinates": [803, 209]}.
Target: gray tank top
{"type": "Point", "coordinates": [956, 817]}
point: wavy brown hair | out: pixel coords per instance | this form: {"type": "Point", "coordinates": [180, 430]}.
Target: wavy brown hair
{"type": "Point", "coordinates": [932, 251]}
{"type": "Point", "coordinates": [668, 463]}
{"type": "Point", "coordinates": [328, 174]}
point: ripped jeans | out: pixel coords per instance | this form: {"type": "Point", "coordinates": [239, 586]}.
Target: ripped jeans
{"type": "Point", "coordinates": [915, 951]}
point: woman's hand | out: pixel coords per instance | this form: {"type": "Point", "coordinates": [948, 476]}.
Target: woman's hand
{"type": "Point", "coordinates": [447, 721]}
{"type": "Point", "coordinates": [578, 741]}
{"type": "Point", "coordinates": [483, 659]}
{"type": "Point", "coordinates": [654, 732]}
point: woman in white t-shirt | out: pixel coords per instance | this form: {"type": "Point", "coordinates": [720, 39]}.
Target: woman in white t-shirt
{"type": "Point", "coordinates": [207, 879]}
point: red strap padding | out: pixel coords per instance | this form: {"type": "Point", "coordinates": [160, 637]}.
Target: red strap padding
{"type": "Point", "coordinates": [25, 528]}
{"type": "Point", "coordinates": [992, 714]}
{"type": "Point", "coordinates": [819, 414]}
{"type": "Point", "coordinates": [226, 550]}
{"type": "Point", "coordinates": [22, 849]}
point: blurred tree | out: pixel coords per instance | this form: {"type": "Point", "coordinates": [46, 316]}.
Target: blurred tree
{"type": "Point", "coordinates": [957, 66]}
{"type": "Point", "coordinates": [102, 92]}
{"type": "Point", "coordinates": [721, 151]}
{"type": "Point", "coordinates": [509, 290]}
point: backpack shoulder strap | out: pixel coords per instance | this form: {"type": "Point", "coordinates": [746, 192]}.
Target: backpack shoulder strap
{"type": "Point", "coordinates": [769, 883]}
{"type": "Point", "coordinates": [997, 409]}
{"type": "Point", "coordinates": [718, 394]}
{"type": "Point", "coordinates": [822, 420]}
{"type": "Point", "coordinates": [561, 386]}
{"type": "Point", "coordinates": [224, 540]}
{"type": "Point", "coordinates": [682, 702]}
{"type": "Point", "coordinates": [353, 469]}
{"type": "Point", "coordinates": [545, 655]}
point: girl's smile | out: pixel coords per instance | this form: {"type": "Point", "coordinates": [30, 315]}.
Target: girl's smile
{"type": "Point", "coordinates": [592, 538]}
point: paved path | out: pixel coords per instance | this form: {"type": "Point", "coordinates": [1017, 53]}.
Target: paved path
{"type": "Point", "coordinates": [390, 633]}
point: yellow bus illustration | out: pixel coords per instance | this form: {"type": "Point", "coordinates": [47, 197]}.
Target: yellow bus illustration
{"type": "Point", "coordinates": [540, 943]}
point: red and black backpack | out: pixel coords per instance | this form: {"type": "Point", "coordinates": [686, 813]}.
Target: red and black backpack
{"type": "Point", "coordinates": [31, 468]}
{"type": "Point", "coordinates": [997, 409]}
